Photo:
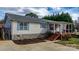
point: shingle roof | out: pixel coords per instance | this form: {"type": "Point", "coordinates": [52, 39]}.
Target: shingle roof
{"type": "Point", "coordinates": [14, 17]}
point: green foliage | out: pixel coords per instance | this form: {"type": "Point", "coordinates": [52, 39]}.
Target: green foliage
{"type": "Point", "coordinates": [70, 41]}
{"type": "Point", "coordinates": [32, 15]}
{"type": "Point", "coordinates": [59, 17]}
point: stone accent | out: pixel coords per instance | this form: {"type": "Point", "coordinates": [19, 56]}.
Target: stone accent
{"type": "Point", "coordinates": [27, 36]}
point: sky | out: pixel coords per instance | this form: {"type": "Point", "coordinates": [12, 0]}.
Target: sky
{"type": "Point", "coordinates": [40, 11]}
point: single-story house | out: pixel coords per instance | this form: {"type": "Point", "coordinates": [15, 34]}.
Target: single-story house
{"type": "Point", "coordinates": [1, 29]}
{"type": "Point", "coordinates": [25, 27]}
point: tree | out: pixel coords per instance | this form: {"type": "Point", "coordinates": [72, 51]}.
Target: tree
{"type": "Point", "coordinates": [32, 15]}
{"type": "Point", "coordinates": [59, 17]}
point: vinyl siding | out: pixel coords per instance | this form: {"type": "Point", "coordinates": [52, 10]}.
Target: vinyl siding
{"type": "Point", "coordinates": [34, 28]}
{"type": "Point", "coordinates": [7, 24]}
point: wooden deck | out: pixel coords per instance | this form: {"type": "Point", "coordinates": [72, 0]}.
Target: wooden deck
{"type": "Point", "coordinates": [59, 36]}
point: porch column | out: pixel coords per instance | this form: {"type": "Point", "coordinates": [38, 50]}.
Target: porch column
{"type": "Point", "coordinates": [71, 28]}
{"type": "Point", "coordinates": [48, 27]}
{"type": "Point", "coordinates": [3, 34]}
{"type": "Point", "coordinates": [65, 28]}
{"type": "Point", "coordinates": [59, 27]}
{"type": "Point", "coordinates": [54, 28]}
{"type": "Point", "coordinates": [68, 27]}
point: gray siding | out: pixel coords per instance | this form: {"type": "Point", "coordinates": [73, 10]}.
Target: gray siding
{"type": "Point", "coordinates": [35, 31]}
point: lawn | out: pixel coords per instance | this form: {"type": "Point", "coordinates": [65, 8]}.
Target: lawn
{"type": "Point", "coordinates": [72, 42]}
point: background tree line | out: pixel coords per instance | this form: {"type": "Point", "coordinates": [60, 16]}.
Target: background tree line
{"type": "Point", "coordinates": [59, 17]}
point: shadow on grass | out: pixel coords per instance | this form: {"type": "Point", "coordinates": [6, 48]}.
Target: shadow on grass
{"type": "Point", "coordinates": [28, 41]}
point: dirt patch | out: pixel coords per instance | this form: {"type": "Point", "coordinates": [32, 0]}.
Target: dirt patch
{"type": "Point", "coordinates": [28, 41]}
{"type": "Point", "coordinates": [8, 45]}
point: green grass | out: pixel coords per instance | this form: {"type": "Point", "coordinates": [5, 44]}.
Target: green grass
{"type": "Point", "coordinates": [70, 41]}
{"type": "Point", "coordinates": [73, 42]}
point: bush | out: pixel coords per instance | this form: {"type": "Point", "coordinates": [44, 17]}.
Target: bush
{"type": "Point", "coordinates": [65, 37]}
{"type": "Point", "coordinates": [48, 33]}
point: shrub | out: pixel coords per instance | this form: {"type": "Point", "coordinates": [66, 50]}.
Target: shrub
{"type": "Point", "coordinates": [48, 33]}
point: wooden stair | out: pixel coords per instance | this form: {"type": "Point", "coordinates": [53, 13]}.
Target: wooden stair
{"type": "Point", "coordinates": [54, 36]}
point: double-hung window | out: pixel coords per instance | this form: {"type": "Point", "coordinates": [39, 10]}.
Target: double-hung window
{"type": "Point", "coordinates": [22, 26]}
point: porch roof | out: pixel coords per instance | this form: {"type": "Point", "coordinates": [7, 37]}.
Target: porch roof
{"type": "Point", "coordinates": [57, 22]}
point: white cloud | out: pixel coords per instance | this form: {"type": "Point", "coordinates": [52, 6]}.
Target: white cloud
{"type": "Point", "coordinates": [24, 10]}
{"type": "Point", "coordinates": [40, 11]}
{"type": "Point", "coordinates": [57, 8]}
{"type": "Point", "coordinates": [74, 16]}
{"type": "Point", "coordinates": [20, 9]}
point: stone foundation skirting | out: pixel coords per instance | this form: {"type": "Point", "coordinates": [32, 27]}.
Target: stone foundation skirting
{"type": "Point", "coordinates": [27, 36]}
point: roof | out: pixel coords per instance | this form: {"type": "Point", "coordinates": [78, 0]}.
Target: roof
{"type": "Point", "coordinates": [14, 17]}
{"type": "Point", "coordinates": [57, 22]}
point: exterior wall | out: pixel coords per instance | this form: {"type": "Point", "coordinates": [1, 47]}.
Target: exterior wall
{"type": "Point", "coordinates": [34, 31]}
{"type": "Point", "coordinates": [57, 29]}
{"type": "Point", "coordinates": [61, 28]}
{"type": "Point", "coordinates": [7, 24]}
{"type": "Point", "coordinates": [7, 29]}
{"type": "Point", "coordinates": [27, 36]}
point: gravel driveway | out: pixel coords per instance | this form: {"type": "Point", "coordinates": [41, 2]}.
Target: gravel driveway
{"type": "Point", "coordinates": [9, 45]}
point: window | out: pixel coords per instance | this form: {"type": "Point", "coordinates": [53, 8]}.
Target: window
{"type": "Point", "coordinates": [43, 25]}
{"type": "Point", "coordinates": [22, 26]}
{"type": "Point", "coordinates": [51, 26]}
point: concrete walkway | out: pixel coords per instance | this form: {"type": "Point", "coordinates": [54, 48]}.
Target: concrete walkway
{"type": "Point", "coordinates": [42, 46]}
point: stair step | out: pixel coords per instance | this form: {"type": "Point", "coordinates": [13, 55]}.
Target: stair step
{"type": "Point", "coordinates": [54, 36]}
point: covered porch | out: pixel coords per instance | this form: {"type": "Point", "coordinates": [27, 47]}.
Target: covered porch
{"type": "Point", "coordinates": [59, 30]}
{"type": "Point", "coordinates": [61, 27]}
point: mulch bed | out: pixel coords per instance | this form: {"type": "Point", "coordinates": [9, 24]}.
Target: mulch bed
{"type": "Point", "coordinates": [29, 41]}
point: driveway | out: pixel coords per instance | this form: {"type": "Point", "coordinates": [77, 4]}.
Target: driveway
{"type": "Point", "coordinates": [40, 46]}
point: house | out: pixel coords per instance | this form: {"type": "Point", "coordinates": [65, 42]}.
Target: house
{"type": "Point", "coordinates": [76, 24]}
{"type": "Point", "coordinates": [1, 28]}
{"type": "Point", "coordinates": [25, 27]}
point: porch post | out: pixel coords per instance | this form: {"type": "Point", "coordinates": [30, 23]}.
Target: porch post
{"type": "Point", "coordinates": [65, 28]}
{"type": "Point", "coordinates": [59, 27]}
{"type": "Point", "coordinates": [3, 35]}
{"type": "Point", "coordinates": [68, 27]}
{"type": "Point", "coordinates": [54, 28]}
{"type": "Point", "coordinates": [71, 28]}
